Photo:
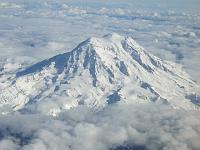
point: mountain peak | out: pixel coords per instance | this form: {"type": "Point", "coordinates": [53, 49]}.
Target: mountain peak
{"type": "Point", "coordinates": [117, 41]}
{"type": "Point", "coordinates": [100, 71]}
{"type": "Point", "coordinates": [114, 44]}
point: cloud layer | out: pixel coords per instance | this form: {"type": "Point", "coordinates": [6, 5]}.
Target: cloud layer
{"type": "Point", "coordinates": [137, 126]}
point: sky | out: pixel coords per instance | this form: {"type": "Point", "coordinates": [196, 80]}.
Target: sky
{"type": "Point", "coordinates": [33, 30]}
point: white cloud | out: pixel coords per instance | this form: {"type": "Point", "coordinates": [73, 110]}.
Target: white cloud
{"type": "Point", "coordinates": [147, 126]}
{"type": "Point", "coordinates": [7, 144]}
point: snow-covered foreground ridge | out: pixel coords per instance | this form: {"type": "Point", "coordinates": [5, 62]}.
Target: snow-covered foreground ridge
{"type": "Point", "coordinates": [99, 72]}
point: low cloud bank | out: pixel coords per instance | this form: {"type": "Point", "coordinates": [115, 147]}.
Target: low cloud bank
{"type": "Point", "coordinates": [135, 126]}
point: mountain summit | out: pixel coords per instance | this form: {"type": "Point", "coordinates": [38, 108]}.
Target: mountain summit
{"type": "Point", "coordinates": [99, 72]}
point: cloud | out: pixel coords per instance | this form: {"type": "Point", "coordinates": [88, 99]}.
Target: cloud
{"type": "Point", "coordinates": [137, 126]}
{"type": "Point", "coordinates": [5, 5]}
{"type": "Point", "coordinates": [7, 144]}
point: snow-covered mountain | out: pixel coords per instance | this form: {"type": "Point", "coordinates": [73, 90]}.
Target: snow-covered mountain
{"type": "Point", "coordinates": [99, 72]}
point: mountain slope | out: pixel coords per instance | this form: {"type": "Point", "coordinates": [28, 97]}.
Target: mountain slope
{"type": "Point", "coordinates": [102, 71]}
